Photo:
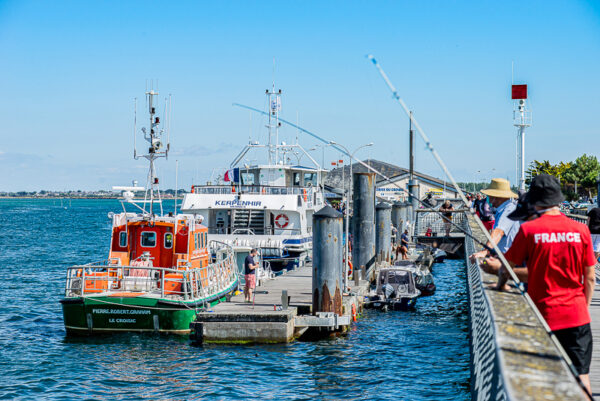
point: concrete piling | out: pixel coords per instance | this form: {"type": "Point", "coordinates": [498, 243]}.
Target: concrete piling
{"type": "Point", "coordinates": [397, 219]}
{"type": "Point", "coordinates": [363, 227]}
{"type": "Point", "coordinates": [328, 267]}
{"type": "Point", "coordinates": [383, 232]}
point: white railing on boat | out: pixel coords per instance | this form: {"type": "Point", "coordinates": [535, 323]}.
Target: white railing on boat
{"type": "Point", "coordinates": [181, 283]}
{"type": "Point", "coordinates": [250, 189]}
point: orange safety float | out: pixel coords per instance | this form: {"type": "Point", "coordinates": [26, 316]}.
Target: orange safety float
{"type": "Point", "coordinates": [353, 312]}
{"type": "Point", "coordinates": [304, 194]}
{"type": "Point", "coordinates": [282, 221]}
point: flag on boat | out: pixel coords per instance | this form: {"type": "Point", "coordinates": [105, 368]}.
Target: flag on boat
{"type": "Point", "coordinates": [232, 175]}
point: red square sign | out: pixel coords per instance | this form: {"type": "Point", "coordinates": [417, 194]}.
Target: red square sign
{"type": "Point", "coordinates": [519, 91]}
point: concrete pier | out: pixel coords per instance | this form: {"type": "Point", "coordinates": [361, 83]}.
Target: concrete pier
{"type": "Point", "coordinates": [383, 232]}
{"type": "Point", "coordinates": [363, 223]}
{"type": "Point", "coordinates": [237, 322]}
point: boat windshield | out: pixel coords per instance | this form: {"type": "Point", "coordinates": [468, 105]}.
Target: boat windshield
{"type": "Point", "coordinates": [398, 277]}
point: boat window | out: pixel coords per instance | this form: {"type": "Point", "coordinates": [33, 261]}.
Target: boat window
{"type": "Point", "coordinates": [310, 178]}
{"type": "Point", "coordinates": [205, 239]}
{"type": "Point", "coordinates": [297, 179]}
{"type": "Point", "coordinates": [247, 178]}
{"type": "Point", "coordinates": [148, 239]}
{"type": "Point", "coordinates": [123, 239]}
{"type": "Point", "coordinates": [168, 240]}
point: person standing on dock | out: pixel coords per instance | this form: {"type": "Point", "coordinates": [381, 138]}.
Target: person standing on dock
{"type": "Point", "coordinates": [594, 226]}
{"type": "Point", "coordinates": [560, 272]}
{"type": "Point", "coordinates": [250, 266]}
{"type": "Point", "coordinates": [484, 211]}
{"type": "Point", "coordinates": [504, 229]}
{"type": "Point", "coordinates": [403, 246]}
{"type": "Point", "coordinates": [447, 210]}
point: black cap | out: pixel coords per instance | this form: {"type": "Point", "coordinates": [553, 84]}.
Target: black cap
{"type": "Point", "coordinates": [544, 191]}
{"type": "Point", "coordinates": [524, 209]}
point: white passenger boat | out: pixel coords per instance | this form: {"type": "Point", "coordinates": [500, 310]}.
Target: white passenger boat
{"type": "Point", "coordinates": [268, 206]}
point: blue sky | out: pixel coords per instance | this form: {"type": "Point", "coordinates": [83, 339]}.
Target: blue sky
{"type": "Point", "coordinates": [70, 71]}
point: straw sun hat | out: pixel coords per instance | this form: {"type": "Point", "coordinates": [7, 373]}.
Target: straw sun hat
{"type": "Point", "coordinates": [499, 188]}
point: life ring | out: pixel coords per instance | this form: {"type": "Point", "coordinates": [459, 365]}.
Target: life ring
{"type": "Point", "coordinates": [183, 230]}
{"type": "Point", "coordinates": [350, 268]}
{"type": "Point", "coordinates": [281, 221]}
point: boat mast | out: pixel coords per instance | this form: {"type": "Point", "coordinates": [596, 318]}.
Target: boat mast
{"type": "Point", "coordinates": [274, 124]}
{"type": "Point", "coordinates": [155, 151]}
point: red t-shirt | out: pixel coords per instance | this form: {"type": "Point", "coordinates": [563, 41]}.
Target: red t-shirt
{"type": "Point", "coordinates": [556, 251]}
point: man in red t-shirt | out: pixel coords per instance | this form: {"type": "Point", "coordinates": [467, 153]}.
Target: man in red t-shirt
{"type": "Point", "coordinates": [560, 263]}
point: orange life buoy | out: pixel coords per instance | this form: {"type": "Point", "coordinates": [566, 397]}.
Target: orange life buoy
{"type": "Point", "coordinates": [183, 230]}
{"type": "Point", "coordinates": [282, 221]}
{"type": "Point", "coordinates": [233, 189]}
{"type": "Point", "coordinates": [350, 268]}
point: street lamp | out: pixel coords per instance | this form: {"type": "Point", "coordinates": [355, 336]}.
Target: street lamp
{"type": "Point", "coordinates": [348, 198]}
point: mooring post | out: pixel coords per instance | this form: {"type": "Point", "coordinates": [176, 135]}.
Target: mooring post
{"type": "Point", "coordinates": [413, 188]}
{"type": "Point", "coordinates": [328, 267]}
{"type": "Point", "coordinates": [397, 219]}
{"type": "Point", "coordinates": [383, 231]}
{"type": "Point", "coordinates": [363, 227]}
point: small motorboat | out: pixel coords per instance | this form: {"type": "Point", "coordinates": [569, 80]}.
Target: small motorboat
{"type": "Point", "coordinates": [422, 275]}
{"type": "Point", "coordinates": [439, 255]}
{"type": "Point", "coordinates": [395, 290]}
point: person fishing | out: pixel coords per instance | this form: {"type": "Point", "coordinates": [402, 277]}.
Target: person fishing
{"type": "Point", "coordinates": [504, 229]}
{"type": "Point", "coordinates": [560, 272]}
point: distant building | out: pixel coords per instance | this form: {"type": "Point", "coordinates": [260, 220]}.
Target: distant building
{"type": "Point", "coordinates": [398, 177]}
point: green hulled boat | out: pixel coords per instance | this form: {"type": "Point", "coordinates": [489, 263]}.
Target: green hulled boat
{"type": "Point", "coordinates": [161, 268]}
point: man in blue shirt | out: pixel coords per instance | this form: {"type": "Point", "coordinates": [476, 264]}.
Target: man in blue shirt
{"type": "Point", "coordinates": [250, 267]}
{"type": "Point", "coordinates": [505, 229]}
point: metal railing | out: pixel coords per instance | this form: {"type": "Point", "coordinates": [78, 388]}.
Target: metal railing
{"type": "Point", "coordinates": [430, 222]}
{"type": "Point", "coordinates": [177, 283]}
{"type": "Point", "coordinates": [268, 230]}
{"type": "Point", "coordinates": [577, 217]}
{"type": "Point", "coordinates": [252, 189]}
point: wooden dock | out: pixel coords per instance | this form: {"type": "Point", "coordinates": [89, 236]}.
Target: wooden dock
{"type": "Point", "coordinates": [595, 314]}
{"type": "Point", "coordinates": [267, 321]}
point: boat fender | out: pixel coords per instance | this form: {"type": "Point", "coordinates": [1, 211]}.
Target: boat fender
{"type": "Point", "coordinates": [353, 312]}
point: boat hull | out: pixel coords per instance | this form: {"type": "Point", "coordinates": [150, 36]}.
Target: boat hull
{"type": "Point", "coordinates": [401, 304]}
{"type": "Point", "coordinates": [108, 314]}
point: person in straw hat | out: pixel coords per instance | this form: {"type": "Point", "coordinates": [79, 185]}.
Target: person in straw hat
{"type": "Point", "coordinates": [504, 229]}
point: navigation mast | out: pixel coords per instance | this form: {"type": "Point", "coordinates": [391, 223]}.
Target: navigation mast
{"type": "Point", "coordinates": [521, 120]}
{"type": "Point", "coordinates": [274, 124]}
{"type": "Point", "coordinates": [156, 150]}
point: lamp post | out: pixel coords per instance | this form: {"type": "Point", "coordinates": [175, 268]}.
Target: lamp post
{"type": "Point", "coordinates": [348, 198]}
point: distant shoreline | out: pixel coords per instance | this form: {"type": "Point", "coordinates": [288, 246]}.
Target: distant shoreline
{"type": "Point", "coordinates": [59, 197]}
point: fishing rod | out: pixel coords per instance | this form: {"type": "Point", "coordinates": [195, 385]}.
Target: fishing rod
{"type": "Point", "coordinates": [499, 254]}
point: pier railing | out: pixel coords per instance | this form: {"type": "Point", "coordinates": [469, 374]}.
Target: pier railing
{"type": "Point", "coordinates": [181, 283]}
{"type": "Point", "coordinates": [512, 355]}
{"type": "Point", "coordinates": [430, 222]}
{"type": "Point", "coordinates": [251, 189]}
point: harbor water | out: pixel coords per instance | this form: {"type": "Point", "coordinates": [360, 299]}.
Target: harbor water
{"type": "Point", "coordinates": [419, 355]}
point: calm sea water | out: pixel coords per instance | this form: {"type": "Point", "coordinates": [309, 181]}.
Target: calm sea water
{"type": "Point", "coordinates": [420, 355]}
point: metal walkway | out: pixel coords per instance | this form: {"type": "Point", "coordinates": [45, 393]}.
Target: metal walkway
{"type": "Point", "coordinates": [595, 313]}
